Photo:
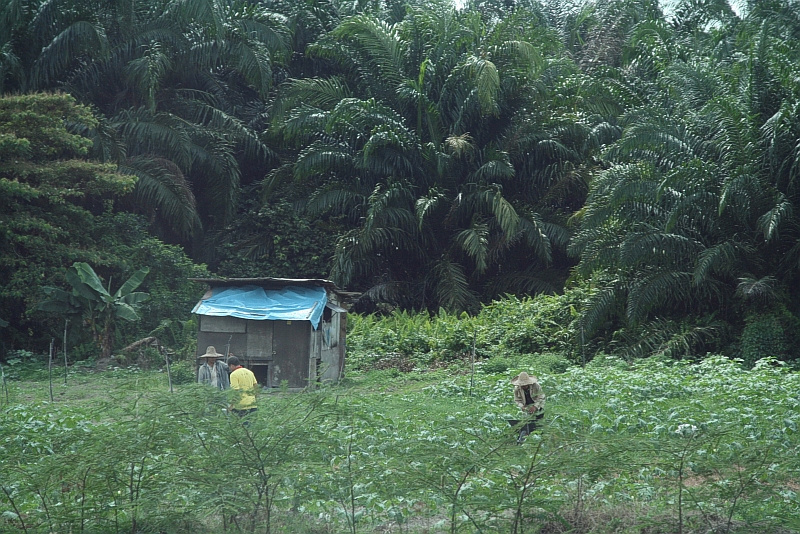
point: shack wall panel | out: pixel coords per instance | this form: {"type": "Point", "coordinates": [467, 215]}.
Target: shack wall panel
{"type": "Point", "coordinates": [259, 340]}
{"type": "Point", "coordinates": [219, 340]}
{"type": "Point", "coordinates": [329, 350]}
{"type": "Point", "coordinates": [231, 325]}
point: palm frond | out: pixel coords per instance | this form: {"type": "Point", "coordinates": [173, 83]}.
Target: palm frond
{"type": "Point", "coordinates": [673, 340]}
{"type": "Point", "coordinates": [496, 169]}
{"type": "Point", "coordinates": [271, 30]}
{"type": "Point", "coordinates": [477, 199]}
{"type": "Point", "coordinates": [194, 109]}
{"type": "Point", "coordinates": [772, 221]}
{"type": "Point", "coordinates": [654, 247]}
{"type": "Point", "coordinates": [160, 133]}
{"type": "Point", "coordinates": [520, 53]}
{"type": "Point", "coordinates": [163, 189]}
{"type": "Point", "coordinates": [601, 305]}
{"type": "Point", "coordinates": [427, 204]}
{"type": "Point", "coordinates": [387, 151]}
{"type": "Point", "coordinates": [723, 258]}
{"type": "Point", "coordinates": [215, 164]}
{"type": "Point", "coordinates": [537, 235]}
{"type": "Point", "coordinates": [380, 42]}
{"type": "Point", "coordinates": [312, 93]}
{"type": "Point", "coordinates": [651, 290]}
{"type": "Point", "coordinates": [740, 192]}
{"type": "Point", "coordinates": [253, 61]}
{"type": "Point", "coordinates": [764, 290]}
{"type": "Point", "coordinates": [337, 200]}
{"type": "Point", "coordinates": [597, 247]}
{"type": "Point", "coordinates": [274, 179]}
{"type": "Point", "coordinates": [484, 77]}
{"type": "Point", "coordinates": [474, 242]}
{"type": "Point", "coordinates": [303, 123]}
{"type": "Point", "coordinates": [450, 286]}
{"type": "Point", "coordinates": [80, 38]}
{"type": "Point", "coordinates": [320, 158]}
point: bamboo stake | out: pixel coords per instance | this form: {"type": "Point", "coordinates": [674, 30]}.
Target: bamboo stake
{"type": "Point", "coordinates": [472, 365]}
{"type": "Point", "coordinates": [5, 385]}
{"type": "Point", "coordinates": [169, 373]}
{"type": "Point", "coordinates": [50, 366]}
{"type": "Point", "coordinates": [66, 323]}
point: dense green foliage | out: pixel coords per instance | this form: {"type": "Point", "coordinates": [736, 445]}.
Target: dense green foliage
{"type": "Point", "coordinates": [275, 240]}
{"type": "Point", "coordinates": [693, 226]}
{"type": "Point", "coordinates": [505, 328]}
{"type": "Point", "coordinates": [655, 447]}
{"type": "Point", "coordinates": [94, 304]}
{"type": "Point", "coordinates": [50, 197]}
{"type": "Point", "coordinates": [57, 208]}
{"type": "Point", "coordinates": [641, 158]}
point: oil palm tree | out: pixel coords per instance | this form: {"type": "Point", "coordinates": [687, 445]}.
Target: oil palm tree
{"type": "Point", "coordinates": [172, 80]}
{"type": "Point", "coordinates": [415, 139]}
{"type": "Point", "coordinates": [697, 206]}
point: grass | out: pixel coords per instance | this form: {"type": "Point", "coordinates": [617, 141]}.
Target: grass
{"type": "Point", "coordinates": [656, 447]}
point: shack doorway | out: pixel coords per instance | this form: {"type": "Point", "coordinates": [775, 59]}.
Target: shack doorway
{"type": "Point", "coordinates": [261, 370]}
{"type": "Point", "coordinates": [291, 343]}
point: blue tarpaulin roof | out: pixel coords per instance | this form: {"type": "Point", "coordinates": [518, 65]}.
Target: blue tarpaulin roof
{"type": "Point", "coordinates": [292, 303]}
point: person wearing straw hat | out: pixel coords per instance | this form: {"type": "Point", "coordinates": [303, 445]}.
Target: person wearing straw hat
{"type": "Point", "coordinates": [529, 397]}
{"type": "Point", "coordinates": [214, 370]}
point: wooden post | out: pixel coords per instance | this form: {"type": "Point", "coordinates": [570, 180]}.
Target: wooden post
{"type": "Point", "coordinates": [66, 323]}
{"type": "Point", "coordinates": [169, 373]}
{"type": "Point", "coordinates": [50, 366]}
{"type": "Point", "coordinates": [472, 365]}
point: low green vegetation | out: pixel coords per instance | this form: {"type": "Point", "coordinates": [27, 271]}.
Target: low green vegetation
{"type": "Point", "coordinates": [654, 446]}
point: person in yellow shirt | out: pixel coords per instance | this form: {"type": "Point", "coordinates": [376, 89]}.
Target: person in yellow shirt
{"type": "Point", "coordinates": [245, 385]}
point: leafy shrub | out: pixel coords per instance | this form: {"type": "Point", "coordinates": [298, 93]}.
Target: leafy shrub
{"type": "Point", "coordinates": [495, 365]}
{"type": "Point", "coordinates": [172, 294]}
{"type": "Point", "coordinates": [762, 337]}
{"type": "Point", "coordinates": [25, 365]}
{"type": "Point", "coordinates": [773, 334]}
{"type": "Point", "coordinates": [83, 352]}
{"type": "Point", "coordinates": [607, 361]}
{"type": "Point", "coordinates": [552, 363]}
{"type": "Point", "coordinates": [275, 240]}
{"type": "Point", "coordinates": [506, 327]}
{"type": "Point", "coordinates": [182, 372]}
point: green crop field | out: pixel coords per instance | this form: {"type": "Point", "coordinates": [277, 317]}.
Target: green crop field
{"type": "Point", "coordinates": [651, 447]}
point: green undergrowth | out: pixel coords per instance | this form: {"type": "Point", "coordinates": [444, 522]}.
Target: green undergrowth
{"type": "Point", "coordinates": [655, 447]}
{"type": "Point", "coordinates": [509, 327]}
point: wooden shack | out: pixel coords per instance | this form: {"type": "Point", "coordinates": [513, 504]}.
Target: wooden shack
{"type": "Point", "coordinates": [285, 330]}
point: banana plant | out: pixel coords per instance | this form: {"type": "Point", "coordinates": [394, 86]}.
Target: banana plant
{"type": "Point", "coordinates": [99, 308]}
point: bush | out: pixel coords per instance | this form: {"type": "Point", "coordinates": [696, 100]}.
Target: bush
{"type": "Point", "coordinates": [183, 373]}
{"type": "Point", "coordinates": [505, 328]}
{"type": "Point", "coordinates": [762, 337]}
{"type": "Point", "coordinates": [607, 361]}
{"type": "Point", "coordinates": [495, 365]}
{"type": "Point", "coordinates": [552, 363]}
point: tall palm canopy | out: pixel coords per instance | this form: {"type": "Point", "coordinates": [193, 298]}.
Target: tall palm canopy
{"type": "Point", "coordinates": [174, 82]}
{"type": "Point", "coordinates": [437, 137]}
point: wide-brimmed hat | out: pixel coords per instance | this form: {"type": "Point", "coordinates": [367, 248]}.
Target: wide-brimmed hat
{"type": "Point", "coordinates": [524, 379]}
{"type": "Point", "coordinates": [211, 352]}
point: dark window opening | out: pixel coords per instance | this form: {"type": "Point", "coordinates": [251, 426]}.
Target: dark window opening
{"type": "Point", "coordinates": [262, 375]}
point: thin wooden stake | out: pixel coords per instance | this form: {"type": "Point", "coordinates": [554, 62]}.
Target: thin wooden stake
{"type": "Point", "coordinates": [50, 366]}
{"type": "Point", "coordinates": [66, 323]}
{"type": "Point", "coordinates": [472, 365]}
{"type": "Point", "coordinates": [5, 385]}
{"type": "Point", "coordinates": [169, 373]}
